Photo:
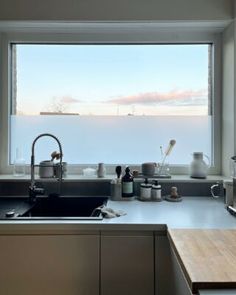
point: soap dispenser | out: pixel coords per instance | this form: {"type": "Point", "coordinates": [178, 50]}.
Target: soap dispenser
{"type": "Point", "coordinates": [127, 185]}
{"type": "Point", "coordinates": [156, 191]}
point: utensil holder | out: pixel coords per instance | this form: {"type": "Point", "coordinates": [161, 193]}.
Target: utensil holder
{"type": "Point", "coordinates": [116, 191]}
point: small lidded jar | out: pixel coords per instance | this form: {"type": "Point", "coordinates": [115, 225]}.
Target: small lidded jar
{"type": "Point", "coordinates": [145, 191]}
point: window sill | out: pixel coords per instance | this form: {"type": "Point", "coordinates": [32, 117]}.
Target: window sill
{"type": "Point", "coordinates": [75, 178]}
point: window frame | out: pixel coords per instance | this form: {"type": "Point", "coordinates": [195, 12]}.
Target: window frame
{"type": "Point", "coordinates": [107, 34]}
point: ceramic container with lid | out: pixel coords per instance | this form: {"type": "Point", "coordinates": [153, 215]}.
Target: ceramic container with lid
{"type": "Point", "coordinates": [198, 167]}
{"type": "Point", "coordinates": [145, 191]}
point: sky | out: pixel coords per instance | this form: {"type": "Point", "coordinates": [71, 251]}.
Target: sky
{"type": "Point", "coordinates": [112, 79]}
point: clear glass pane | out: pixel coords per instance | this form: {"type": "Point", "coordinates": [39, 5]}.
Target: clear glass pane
{"type": "Point", "coordinates": [112, 103]}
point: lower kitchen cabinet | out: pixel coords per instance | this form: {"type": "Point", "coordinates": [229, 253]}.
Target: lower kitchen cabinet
{"type": "Point", "coordinates": [127, 263]}
{"type": "Point", "coordinates": [49, 264]}
{"type": "Point", "coordinates": [168, 275]}
{"type": "Point", "coordinates": [104, 263]}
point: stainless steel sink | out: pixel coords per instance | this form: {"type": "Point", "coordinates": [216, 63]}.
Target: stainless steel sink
{"type": "Point", "coordinates": [66, 207]}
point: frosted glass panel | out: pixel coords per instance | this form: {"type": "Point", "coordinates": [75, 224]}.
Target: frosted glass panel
{"type": "Point", "coordinates": [112, 139]}
{"type": "Point", "coordinates": [111, 103]}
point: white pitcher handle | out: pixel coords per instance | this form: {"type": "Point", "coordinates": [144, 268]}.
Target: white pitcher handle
{"type": "Point", "coordinates": [208, 159]}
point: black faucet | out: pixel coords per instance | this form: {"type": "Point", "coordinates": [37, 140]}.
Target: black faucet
{"type": "Point", "coordinates": [33, 189]}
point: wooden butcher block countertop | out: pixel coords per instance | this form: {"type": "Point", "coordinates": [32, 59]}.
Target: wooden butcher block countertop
{"type": "Point", "coordinates": [207, 257]}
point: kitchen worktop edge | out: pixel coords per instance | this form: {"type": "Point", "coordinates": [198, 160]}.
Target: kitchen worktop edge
{"type": "Point", "coordinates": [192, 212]}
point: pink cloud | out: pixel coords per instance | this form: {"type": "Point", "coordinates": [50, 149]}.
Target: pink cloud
{"type": "Point", "coordinates": [69, 100]}
{"type": "Point", "coordinates": [158, 97]}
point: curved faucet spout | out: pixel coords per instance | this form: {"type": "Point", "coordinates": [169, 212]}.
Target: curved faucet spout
{"type": "Point", "coordinates": [33, 189]}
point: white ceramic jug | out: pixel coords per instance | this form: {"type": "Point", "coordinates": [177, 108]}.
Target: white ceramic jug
{"type": "Point", "coordinates": [198, 167]}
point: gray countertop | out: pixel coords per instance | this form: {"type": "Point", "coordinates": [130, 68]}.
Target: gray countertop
{"type": "Point", "coordinates": [192, 212]}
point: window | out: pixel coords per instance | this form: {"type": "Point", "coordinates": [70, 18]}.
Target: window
{"type": "Point", "coordinates": [103, 118]}
{"type": "Point", "coordinates": [112, 103]}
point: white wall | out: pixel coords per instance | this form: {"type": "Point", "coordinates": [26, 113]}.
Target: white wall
{"type": "Point", "coordinates": [228, 93]}
{"type": "Point", "coordinates": [95, 10]}
{"type": "Point", "coordinates": [141, 10]}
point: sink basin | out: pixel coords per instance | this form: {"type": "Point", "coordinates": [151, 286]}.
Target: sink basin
{"type": "Point", "coordinates": [66, 207]}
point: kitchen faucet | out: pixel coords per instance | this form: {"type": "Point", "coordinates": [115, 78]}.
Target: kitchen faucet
{"type": "Point", "coordinates": [33, 189]}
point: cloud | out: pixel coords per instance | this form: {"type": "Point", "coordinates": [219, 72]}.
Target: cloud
{"type": "Point", "coordinates": [68, 100]}
{"type": "Point", "coordinates": [188, 97]}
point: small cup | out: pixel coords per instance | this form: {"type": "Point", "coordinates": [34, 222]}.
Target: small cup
{"type": "Point", "coordinates": [116, 191]}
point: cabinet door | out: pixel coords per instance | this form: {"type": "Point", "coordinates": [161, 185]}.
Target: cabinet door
{"type": "Point", "coordinates": [127, 264]}
{"type": "Point", "coordinates": [169, 276]}
{"type": "Point", "coordinates": [49, 265]}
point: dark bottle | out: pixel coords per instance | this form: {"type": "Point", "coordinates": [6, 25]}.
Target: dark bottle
{"type": "Point", "coordinates": [127, 184]}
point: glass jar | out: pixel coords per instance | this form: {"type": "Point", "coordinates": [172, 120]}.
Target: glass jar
{"type": "Point", "coordinates": [19, 164]}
